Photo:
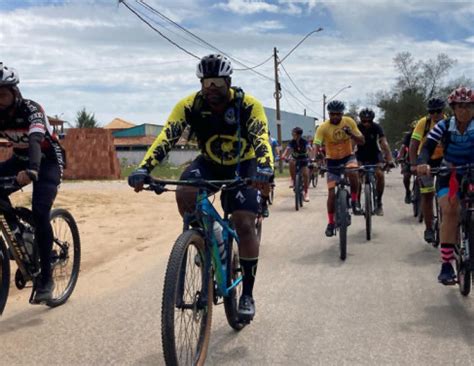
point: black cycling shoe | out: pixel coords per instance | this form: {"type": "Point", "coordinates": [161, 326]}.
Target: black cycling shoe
{"type": "Point", "coordinates": [408, 198]}
{"type": "Point", "coordinates": [265, 210]}
{"type": "Point", "coordinates": [330, 229]}
{"type": "Point", "coordinates": [356, 209]}
{"type": "Point", "coordinates": [246, 309]}
{"type": "Point", "coordinates": [44, 291]}
{"type": "Point", "coordinates": [379, 209]}
{"type": "Point", "coordinates": [429, 236]}
{"type": "Point", "coordinates": [447, 276]}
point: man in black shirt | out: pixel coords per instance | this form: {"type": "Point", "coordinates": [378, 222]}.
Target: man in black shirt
{"type": "Point", "coordinates": [370, 153]}
{"type": "Point", "coordinates": [37, 158]}
{"type": "Point", "coordinates": [299, 149]}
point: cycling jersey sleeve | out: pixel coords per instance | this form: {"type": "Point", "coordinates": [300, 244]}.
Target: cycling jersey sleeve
{"type": "Point", "coordinates": [319, 136]}
{"type": "Point", "coordinates": [419, 130]}
{"type": "Point", "coordinates": [34, 150]}
{"type": "Point", "coordinates": [434, 137]}
{"type": "Point", "coordinates": [380, 131]}
{"type": "Point", "coordinates": [353, 125]}
{"type": "Point", "coordinates": [406, 139]}
{"type": "Point", "coordinates": [257, 126]}
{"type": "Point", "coordinates": [169, 135]}
{"type": "Point", "coordinates": [36, 132]}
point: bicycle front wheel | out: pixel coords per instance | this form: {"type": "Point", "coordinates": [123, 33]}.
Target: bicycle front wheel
{"type": "Point", "coordinates": [416, 198]}
{"type": "Point", "coordinates": [5, 275]}
{"type": "Point", "coordinates": [368, 212]}
{"type": "Point", "coordinates": [342, 220]}
{"type": "Point", "coordinates": [65, 256]}
{"type": "Point", "coordinates": [231, 301]}
{"type": "Point", "coordinates": [186, 310]}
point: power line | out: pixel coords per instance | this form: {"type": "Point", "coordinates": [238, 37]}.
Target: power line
{"type": "Point", "coordinates": [160, 33]}
{"type": "Point", "coordinates": [246, 67]}
{"type": "Point", "coordinates": [296, 86]}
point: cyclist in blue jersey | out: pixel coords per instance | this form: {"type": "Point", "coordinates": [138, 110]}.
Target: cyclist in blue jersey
{"type": "Point", "coordinates": [457, 136]}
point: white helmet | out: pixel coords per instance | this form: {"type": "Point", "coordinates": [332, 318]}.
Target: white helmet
{"type": "Point", "coordinates": [213, 66]}
{"type": "Point", "coordinates": [8, 76]}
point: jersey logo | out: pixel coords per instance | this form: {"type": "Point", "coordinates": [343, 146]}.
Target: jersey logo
{"type": "Point", "coordinates": [240, 197]}
{"type": "Point", "coordinates": [223, 149]}
{"type": "Point", "coordinates": [339, 135]}
{"type": "Point", "coordinates": [19, 138]}
{"type": "Point", "coordinates": [229, 116]}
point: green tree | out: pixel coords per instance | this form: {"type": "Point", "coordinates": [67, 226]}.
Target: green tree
{"type": "Point", "coordinates": [85, 119]}
{"type": "Point", "coordinates": [417, 82]}
{"type": "Point", "coordinates": [353, 111]}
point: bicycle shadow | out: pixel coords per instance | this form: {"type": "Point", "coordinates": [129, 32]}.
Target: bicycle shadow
{"type": "Point", "coordinates": [438, 320]}
{"type": "Point", "coordinates": [221, 352]}
{"type": "Point", "coordinates": [328, 256]}
{"type": "Point", "coordinates": [425, 256]}
{"type": "Point", "coordinates": [150, 360]}
{"type": "Point", "coordinates": [28, 318]}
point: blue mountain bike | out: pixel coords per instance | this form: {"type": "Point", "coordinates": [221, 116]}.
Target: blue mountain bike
{"type": "Point", "coordinates": [203, 267]}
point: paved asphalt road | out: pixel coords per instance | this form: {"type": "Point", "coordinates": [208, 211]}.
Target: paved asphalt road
{"type": "Point", "coordinates": [382, 306]}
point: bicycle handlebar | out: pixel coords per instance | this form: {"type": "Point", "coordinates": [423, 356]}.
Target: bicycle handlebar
{"type": "Point", "coordinates": [436, 171]}
{"type": "Point", "coordinates": [9, 182]}
{"type": "Point", "coordinates": [159, 185]}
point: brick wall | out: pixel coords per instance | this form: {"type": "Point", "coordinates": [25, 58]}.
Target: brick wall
{"type": "Point", "coordinates": [90, 154]}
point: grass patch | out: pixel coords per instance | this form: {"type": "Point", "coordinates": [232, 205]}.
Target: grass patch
{"type": "Point", "coordinates": [165, 171]}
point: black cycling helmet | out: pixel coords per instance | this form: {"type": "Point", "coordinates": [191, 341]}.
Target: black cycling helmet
{"type": "Point", "coordinates": [435, 104]}
{"type": "Point", "coordinates": [336, 106]}
{"type": "Point", "coordinates": [297, 130]}
{"type": "Point", "coordinates": [8, 76]}
{"type": "Point", "coordinates": [214, 66]}
{"type": "Point", "coordinates": [367, 113]}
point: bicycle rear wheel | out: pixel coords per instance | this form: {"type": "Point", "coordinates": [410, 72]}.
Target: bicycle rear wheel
{"type": "Point", "coordinates": [258, 228]}
{"type": "Point", "coordinates": [271, 195]}
{"type": "Point", "coordinates": [5, 275]}
{"type": "Point", "coordinates": [65, 256]}
{"type": "Point", "coordinates": [231, 301]}
{"type": "Point", "coordinates": [342, 221]}
{"type": "Point", "coordinates": [297, 191]}
{"type": "Point", "coordinates": [368, 211]}
{"type": "Point", "coordinates": [186, 310]}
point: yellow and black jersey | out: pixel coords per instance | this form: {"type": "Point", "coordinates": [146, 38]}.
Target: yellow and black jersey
{"type": "Point", "coordinates": [217, 136]}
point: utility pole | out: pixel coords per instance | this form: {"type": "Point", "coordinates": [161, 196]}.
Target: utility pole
{"type": "Point", "coordinates": [277, 96]}
{"type": "Point", "coordinates": [324, 107]}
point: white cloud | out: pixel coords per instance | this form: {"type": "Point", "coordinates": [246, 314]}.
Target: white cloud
{"type": "Point", "coordinates": [109, 62]}
{"type": "Point", "coordinates": [267, 25]}
{"type": "Point", "coordinates": [247, 7]}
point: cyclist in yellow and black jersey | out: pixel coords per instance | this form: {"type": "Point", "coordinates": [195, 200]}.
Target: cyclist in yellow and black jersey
{"type": "Point", "coordinates": [232, 132]}
{"type": "Point", "coordinates": [418, 138]}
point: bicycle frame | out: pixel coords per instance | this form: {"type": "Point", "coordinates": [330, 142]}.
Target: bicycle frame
{"type": "Point", "coordinates": [206, 214]}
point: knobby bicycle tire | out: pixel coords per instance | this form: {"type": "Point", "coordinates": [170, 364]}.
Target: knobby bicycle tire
{"type": "Point", "coordinates": [61, 256]}
{"type": "Point", "coordinates": [297, 191]}
{"type": "Point", "coordinates": [342, 221]}
{"type": "Point", "coordinates": [231, 301]}
{"type": "Point", "coordinates": [173, 288]}
{"type": "Point", "coordinates": [368, 211]}
{"type": "Point", "coordinates": [5, 275]}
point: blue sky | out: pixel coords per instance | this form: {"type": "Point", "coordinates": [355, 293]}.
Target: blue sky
{"type": "Point", "coordinates": [99, 55]}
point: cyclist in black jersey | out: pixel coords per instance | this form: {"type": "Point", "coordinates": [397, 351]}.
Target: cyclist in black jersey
{"type": "Point", "coordinates": [370, 153]}
{"type": "Point", "coordinates": [402, 158]}
{"type": "Point", "coordinates": [299, 149]}
{"type": "Point", "coordinates": [37, 158]}
{"type": "Point", "coordinates": [232, 132]}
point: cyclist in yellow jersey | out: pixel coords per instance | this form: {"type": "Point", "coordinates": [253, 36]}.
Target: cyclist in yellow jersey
{"type": "Point", "coordinates": [337, 134]}
{"type": "Point", "coordinates": [418, 139]}
{"type": "Point", "coordinates": [232, 132]}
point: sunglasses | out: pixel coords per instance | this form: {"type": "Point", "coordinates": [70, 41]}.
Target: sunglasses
{"type": "Point", "coordinates": [465, 105]}
{"type": "Point", "coordinates": [335, 114]}
{"type": "Point", "coordinates": [218, 82]}
{"type": "Point", "coordinates": [436, 111]}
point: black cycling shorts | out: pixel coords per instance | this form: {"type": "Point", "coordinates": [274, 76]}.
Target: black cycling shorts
{"type": "Point", "coordinates": [374, 159]}
{"type": "Point", "coordinates": [239, 199]}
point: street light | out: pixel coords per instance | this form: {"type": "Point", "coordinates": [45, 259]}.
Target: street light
{"type": "Point", "coordinates": [325, 100]}
{"type": "Point", "coordinates": [277, 93]}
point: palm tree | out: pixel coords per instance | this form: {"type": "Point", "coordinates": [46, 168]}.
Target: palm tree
{"type": "Point", "coordinates": [85, 119]}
